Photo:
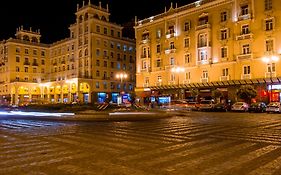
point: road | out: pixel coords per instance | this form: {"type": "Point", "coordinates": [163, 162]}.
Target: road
{"type": "Point", "coordinates": [192, 144]}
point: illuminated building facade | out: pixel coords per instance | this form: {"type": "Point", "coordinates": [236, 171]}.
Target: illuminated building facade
{"type": "Point", "coordinates": [218, 44]}
{"type": "Point", "coordinates": [81, 68]}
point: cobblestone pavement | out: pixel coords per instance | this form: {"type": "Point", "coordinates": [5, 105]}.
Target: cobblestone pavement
{"type": "Point", "coordinates": [193, 144]}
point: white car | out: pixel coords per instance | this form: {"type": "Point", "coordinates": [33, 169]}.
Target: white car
{"type": "Point", "coordinates": [240, 106]}
{"type": "Point", "coordinates": [273, 107]}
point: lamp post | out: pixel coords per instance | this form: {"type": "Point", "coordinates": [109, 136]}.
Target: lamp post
{"type": "Point", "coordinates": [178, 70]}
{"type": "Point", "coordinates": [121, 76]}
{"type": "Point", "coordinates": [269, 60]}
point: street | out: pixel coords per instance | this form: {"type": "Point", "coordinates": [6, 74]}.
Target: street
{"type": "Point", "coordinates": [193, 143]}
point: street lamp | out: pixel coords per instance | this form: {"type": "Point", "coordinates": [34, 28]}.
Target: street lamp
{"type": "Point", "coordinates": [121, 76]}
{"type": "Point", "coordinates": [178, 70]}
{"type": "Point", "coordinates": [270, 60]}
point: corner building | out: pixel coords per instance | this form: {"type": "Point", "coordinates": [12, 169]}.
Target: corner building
{"type": "Point", "coordinates": [80, 68]}
{"type": "Point", "coordinates": [207, 45]}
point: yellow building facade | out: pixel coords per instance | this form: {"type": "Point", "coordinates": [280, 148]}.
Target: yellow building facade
{"type": "Point", "coordinates": [80, 68]}
{"type": "Point", "coordinates": [207, 45]}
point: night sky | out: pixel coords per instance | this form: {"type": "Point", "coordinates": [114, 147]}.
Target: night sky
{"type": "Point", "coordinates": [53, 17]}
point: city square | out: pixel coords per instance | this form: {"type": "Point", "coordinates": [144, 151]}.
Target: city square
{"type": "Point", "coordinates": [187, 143]}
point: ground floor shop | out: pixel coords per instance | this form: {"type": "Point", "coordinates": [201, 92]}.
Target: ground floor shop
{"type": "Point", "coordinates": [267, 90]}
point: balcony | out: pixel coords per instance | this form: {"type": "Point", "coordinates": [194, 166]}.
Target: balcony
{"type": "Point", "coordinates": [244, 36]}
{"type": "Point", "coordinates": [171, 82]}
{"type": "Point", "coordinates": [186, 81]}
{"type": "Point", "coordinates": [158, 83]}
{"type": "Point", "coordinates": [203, 26]}
{"type": "Point", "coordinates": [170, 35]}
{"type": "Point", "coordinates": [34, 64]}
{"type": "Point", "coordinates": [246, 76]}
{"type": "Point", "coordinates": [146, 85]}
{"type": "Point", "coordinates": [169, 50]}
{"type": "Point", "coordinates": [204, 80]}
{"type": "Point", "coordinates": [270, 74]}
{"type": "Point", "coordinates": [145, 41]}
{"type": "Point", "coordinates": [26, 63]}
{"type": "Point", "coordinates": [244, 56]}
{"type": "Point", "coordinates": [244, 17]}
{"type": "Point", "coordinates": [224, 78]}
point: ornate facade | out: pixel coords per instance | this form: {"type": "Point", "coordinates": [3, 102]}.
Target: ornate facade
{"type": "Point", "coordinates": [210, 44]}
{"type": "Point", "coordinates": [80, 68]}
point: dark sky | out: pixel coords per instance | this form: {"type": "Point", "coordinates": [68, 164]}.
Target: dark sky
{"type": "Point", "coordinates": [53, 17]}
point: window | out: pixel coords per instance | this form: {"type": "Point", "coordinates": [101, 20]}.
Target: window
{"type": "Point", "coordinates": [17, 50]}
{"type": "Point", "coordinates": [98, 52]}
{"type": "Point", "coordinates": [97, 73]}
{"type": "Point", "coordinates": [172, 61]}
{"type": "Point", "coordinates": [269, 45]}
{"type": "Point", "coordinates": [158, 63]}
{"type": "Point", "coordinates": [244, 10]}
{"type": "Point", "coordinates": [246, 49]}
{"type": "Point", "coordinates": [268, 24]}
{"type": "Point", "coordinates": [111, 45]}
{"type": "Point", "coordinates": [146, 80]}
{"type": "Point", "coordinates": [34, 52]}
{"type": "Point", "coordinates": [246, 70]}
{"type": "Point", "coordinates": [171, 30]}
{"type": "Point", "coordinates": [225, 72]}
{"type": "Point", "coordinates": [173, 77]}
{"type": "Point", "coordinates": [43, 62]}
{"type": "Point", "coordinates": [118, 46]}
{"type": "Point", "coordinates": [118, 34]}
{"type": "Point", "coordinates": [267, 4]}
{"type": "Point", "coordinates": [172, 45]}
{"type": "Point", "coordinates": [105, 31]}
{"type": "Point", "coordinates": [202, 55]}
{"type": "Point", "coordinates": [245, 29]}
{"type": "Point", "coordinates": [25, 69]}
{"type": "Point", "coordinates": [186, 42]}
{"type": "Point", "coordinates": [158, 48]}
{"type": "Point", "coordinates": [42, 70]}
{"type": "Point", "coordinates": [203, 20]}
{"type": "Point", "coordinates": [186, 26]}
{"type": "Point", "coordinates": [97, 85]}
{"type": "Point", "coordinates": [17, 69]}
{"type": "Point", "coordinates": [187, 76]}
{"type": "Point", "coordinates": [224, 33]}
{"type": "Point", "coordinates": [144, 65]}
{"type": "Point", "coordinates": [97, 62]}
{"type": "Point", "coordinates": [271, 67]}
{"type": "Point", "coordinates": [159, 78]}
{"type": "Point", "coordinates": [26, 51]}
{"type": "Point", "coordinates": [104, 63]}
{"type": "Point", "coordinates": [223, 16]}
{"type": "Point", "coordinates": [34, 70]}
{"type": "Point", "coordinates": [17, 59]}
{"type": "Point", "coordinates": [98, 29]}
{"type": "Point", "coordinates": [224, 52]}
{"type": "Point", "coordinates": [104, 85]}
{"type": "Point", "coordinates": [158, 33]}
{"type": "Point", "coordinates": [187, 58]}
{"type": "Point", "coordinates": [205, 74]}
{"type": "Point", "coordinates": [202, 40]}
{"type": "Point", "coordinates": [112, 32]}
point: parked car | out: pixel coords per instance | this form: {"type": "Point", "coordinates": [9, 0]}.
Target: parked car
{"type": "Point", "coordinates": [193, 106]}
{"type": "Point", "coordinates": [240, 106]}
{"type": "Point", "coordinates": [257, 107]}
{"type": "Point", "coordinates": [206, 105]}
{"type": "Point", "coordinates": [223, 107]}
{"type": "Point", "coordinates": [273, 107]}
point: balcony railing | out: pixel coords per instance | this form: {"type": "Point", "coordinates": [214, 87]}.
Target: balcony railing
{"type": "Point", "coordinates": [244, 36]}
{"type": "Point", "coordinates": [244, 17]}
{"type": "Point", "coordinates": [245, 56]}
{"type": "Point", "coordinates": [171, 82]}
{"type": "Point", "coordinates": [186, 81]}
{"type": "Point", "coordinates": [204, 80]}
{"type": "Point", "coordinates": [144, 41]}
{"type": "Point", "coordinates": [34, 64]}
{"type": "Point", "coordinates": [246, 76]}
{"type": "Point", "coordinates": [169, 50]}
{"type": "Point", "coordinates": [270, 74]}
{"type": "Point", "coordinates": [170, 35]}
{"type": "Point", "coordinates": [224, 78]}
{"type": "Point", "coordinates": [203, 26]}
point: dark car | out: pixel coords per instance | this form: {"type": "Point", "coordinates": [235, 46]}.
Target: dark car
{"type": "Point", "coordinates": [223, 107]}
{"type": "Point", "coordinates": [257, 107]}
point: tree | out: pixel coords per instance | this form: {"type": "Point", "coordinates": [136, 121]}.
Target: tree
{"type": "Point", "coordinates": [217, 94]}
{"type": "Point", "coordinates": [246, 93]}
{"type": "Point", "coordinates": [194, 93]}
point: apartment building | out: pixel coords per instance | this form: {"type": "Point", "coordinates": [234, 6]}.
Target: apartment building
{"type": "Point", "coordinates": [207, 45]}
{"type": "Point", "coordinates": [81, 68]}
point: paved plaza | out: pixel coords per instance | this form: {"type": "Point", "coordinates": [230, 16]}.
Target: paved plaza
{"type": "Point", "coordinates": [194, 143]}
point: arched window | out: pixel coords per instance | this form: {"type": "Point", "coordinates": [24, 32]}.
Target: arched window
{"type": "Point", "coordinates": [86, 16]}
{"type": "Point", "coordinates": [34, 39]}
{"type": "Point", "coordinates": [80, 18]}
{"type": "Point", "coordinates": [96, 16]}
{"type": "Point", "coordinates": [103, 18]}
{"type": "Point", "coordinates": [25, 38]}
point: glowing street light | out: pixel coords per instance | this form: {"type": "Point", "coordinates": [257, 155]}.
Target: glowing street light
{"type": "Point", "coordinates": [121, 76]}
{"type": "Point", "coordinates": [270, 60]}
{"type": "Point", "coordinates": [178, 70]}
